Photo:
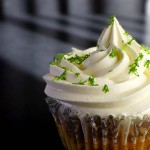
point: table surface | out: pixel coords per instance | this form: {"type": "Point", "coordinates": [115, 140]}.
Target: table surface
{"type": "Point", "coordinates": [31, 33]}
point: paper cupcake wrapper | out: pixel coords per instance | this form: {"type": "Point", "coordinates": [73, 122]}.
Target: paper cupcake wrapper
{"type": "Point", "coordinates": [81, 131]}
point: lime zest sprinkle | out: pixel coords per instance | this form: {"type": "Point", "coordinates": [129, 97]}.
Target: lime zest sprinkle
{"type": "Point", "coordinates": [78, 59]}
{"type": "Point", "coordinates": [77, 74]}
{"type": "Point", "coordinates": [145, 48]}
{"type": "Point", "coordinates": [133, 67]}
{"type": "Point", "coordinates": [91, 81]}
{"type": "Point", "coordinates": [128, 43]}
{"type": "Point", "coordinates": [105, 88]}
{"type": "Point", "coordinates": [66, 68]}
{"type": "Point", "coordinates": [147, 64]}
{"type": "Point", "coordinates": [112, 54]}
{"type": "Point", "coordinates": [81, 82]}
{"type": "Point", "coordinates": [127, 34]}
{"type": "Point", "coordinates": [140, 57]}
{"type": "Point", "coordinates": [111, 22]}
{"type": "Point", "coordinates": [62, 76]}
{"type": "Point", "coordinates": [57, 59]}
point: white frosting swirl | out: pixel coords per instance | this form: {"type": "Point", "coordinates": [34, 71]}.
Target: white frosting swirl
{"type": "Point", "coordinates": [113, 77]}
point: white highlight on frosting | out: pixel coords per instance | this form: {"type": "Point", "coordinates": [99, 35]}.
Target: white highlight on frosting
{"type": "Point", "coordinates": [128, 93]}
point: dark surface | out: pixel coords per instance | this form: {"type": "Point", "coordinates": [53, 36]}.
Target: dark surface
{"type": "Point", "coordinates": [31, 33]}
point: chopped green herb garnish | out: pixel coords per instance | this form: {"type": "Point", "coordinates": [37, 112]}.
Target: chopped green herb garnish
{"type": "Point", "coordinates": [124, 47]}
{"type": "Point", "coordinates": [128, 43]}
{"type": "Point", "coordinates": [78, 59]}
{"type": "Point", "coordinates": [145, 48]}
{"type": "Point", "coordinates": [57, 59]}
{"type": "Point", "coordinates": [105, 88]}
{"type": "Point", "coordinates": [97, 45]}
{"type": "Point", "coordinates": [140, 57]}
{"type": "Point", "coordinates": [91, 81]}
{"type": "Point", "coordinates": [81, 82]}
{"type": "Point", "coordinates": [77, 74]}
{"type": "Point", "coordinates": [133, 67]}
{"type": "Point", "coordinates": [127, 34]}
{"type": "Point", "coordinates": [62, 76]}
{"type": "Point", "coordinates": [147, 64]}
{"type": "Point", "coordinates": [65, 68]}
{"type": "Point", "coordinates": [112, 54]}
{"type": "Point", "coordinates": [111, 22]}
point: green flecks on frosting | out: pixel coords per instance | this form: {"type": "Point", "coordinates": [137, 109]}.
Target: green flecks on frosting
{"type": "Point", "coordinates": [105, 88]}
{"type": "Point", "coordinates": [62, 76]}
{"type": "Point", "coordinates": [133, 67]}
{"type": "Point", "coordinates": [78, 59]}
{"type": "Point", "coordinates": [81, 82]}
{"type": "Point", "coordinates": [66, 68]}
{"type": "Point", "coordinates": [77, 74]}
{"type": "Point", "coordinates": [91, 81]}
{"type": "Point", "coordinates": [124, 46]}
{"type": "Point", "coordinates": [127, 34]}
{"type": "Point", "coordinates": [145, 48]}
{"type": "Point", "coordinates": [112, 54]}
{"type": "Point", "coordinates": [147, 64]}
{"type": "Point", "coordinates": [111, 22]}
{"type": "Point", "coordinates": [140, 57]}
{"type": "Point", "coordinates": [128, 43]}
{"type": "Point", "coordinates": [57, 59]}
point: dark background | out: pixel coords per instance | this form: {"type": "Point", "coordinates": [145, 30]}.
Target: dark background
{"type": "Point", "coordinates": [31, 33]}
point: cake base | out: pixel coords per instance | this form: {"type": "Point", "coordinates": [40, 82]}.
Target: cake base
{"type": "Point", "coordinates": [81, 131]}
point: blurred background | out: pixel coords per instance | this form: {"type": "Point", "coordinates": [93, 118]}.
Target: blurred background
{"type": "Point", "coordinates": [31, 33]}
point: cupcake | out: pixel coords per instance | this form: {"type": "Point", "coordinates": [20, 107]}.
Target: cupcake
{"type": "Point", "coordinates": [100, 97]}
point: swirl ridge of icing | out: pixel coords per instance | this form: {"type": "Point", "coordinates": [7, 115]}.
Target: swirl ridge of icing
{"type": "Point", "coordinates": [109, 77]}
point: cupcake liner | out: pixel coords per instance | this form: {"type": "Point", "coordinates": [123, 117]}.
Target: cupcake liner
{"type": "Point", "coordinates": [81, 131]}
